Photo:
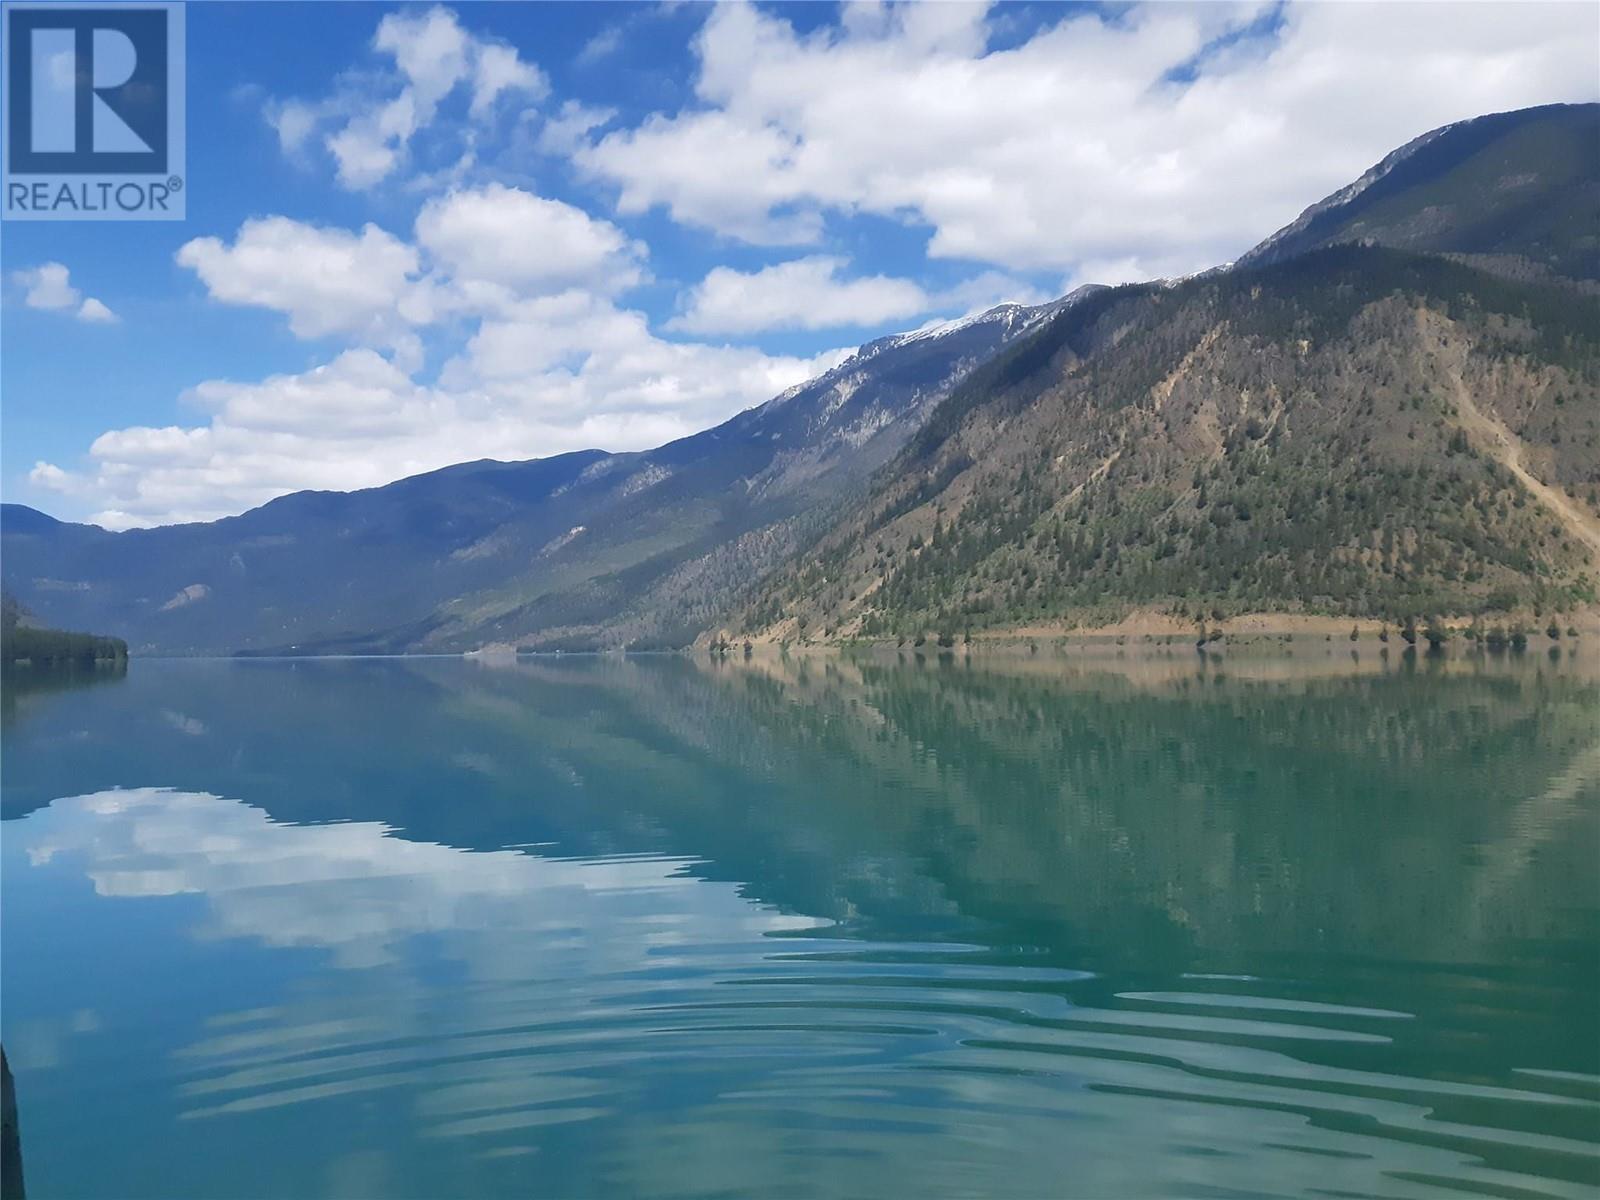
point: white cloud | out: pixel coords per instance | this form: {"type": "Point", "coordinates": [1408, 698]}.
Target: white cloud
{"type": "Point", "coordinates": [529, 387]}
{"type": "Point", "coordinates": [326, 281]}
{"type": "Point", "coordinates": [294, 122]}
{"type": "Point", "coordinates": [809, 293]}
{"type": "Point", "coordinates": [49, 287]}
{"type": "Point", "coordinates": [602, 45]}
{"type": "Point", "coordinates": [632, 29]}
{"type": "Point", "coordinates": [430, 49]}
{"type": "Point", "coordinates": [670, 161]}
{"type": "Point", "coordinates": [498, 69]}
{"type": "Point", "coordinates": [805, 293]}
{"type": "Point", "coordinates": [1082, 149]}
{"type": "Point", "coordinates": [563, 133]}
{"type": "Point", "coordinates": [477, 250]}
{"type": "Point", "coordinates": [508, 236]}
{"type": "Point", "coordinates": [360, 393]}
{"type": "Point", "coordinates": [575, 360]}
{"type": "Point", "coordinates": [92, 310]}
{"type": "Point", "coordinates": [368, 128]}
{"type": "Point", "coordinates": [365, 150]}
{"type": "Point", "coordinates": [51, 478]}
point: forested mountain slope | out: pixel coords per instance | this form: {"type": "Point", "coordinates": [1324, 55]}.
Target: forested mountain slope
{"type": "Point", "coordinates": [579, 550]}
{"type": "Point", "coordinates": [1356, 430]}
{"type": "Point", "coordinates": [1389, 408]}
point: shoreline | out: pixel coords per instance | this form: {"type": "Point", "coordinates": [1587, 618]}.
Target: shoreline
{"type": "Point", "coordinates": [1144, 628]}
{"type": "Point", "coordinates": [1153, 628]}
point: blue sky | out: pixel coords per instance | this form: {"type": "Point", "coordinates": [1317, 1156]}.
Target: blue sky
{"type": "Point", "coordinates": [422, 234]}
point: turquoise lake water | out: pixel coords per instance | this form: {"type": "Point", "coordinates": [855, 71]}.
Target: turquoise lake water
{"type": "Point", "coordinates": [822, 927]}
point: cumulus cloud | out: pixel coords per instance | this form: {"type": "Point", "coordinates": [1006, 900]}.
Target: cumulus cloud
{"type": "Point", "coordinates": [49, 287]}
{"type": "Point", "coordinates": [668, 161]}
{"type": "Point", "coordinates": [294, 121]}
{"type": "Point", "coordinates": [358, 394]}
{"type": "Point", "coordinates": [805, 293]}
{"type": "Point", "coordinates": [369, 130]}
{"type": "Point", "coordinates": [326, 281]}
{"type": "Point", "coordinates": [504, 235]}
{"type": "Point", "coordinates": [93, 310]}
{"type": "Point", "coordinates": [1148, 141]}
{"type": "Point", "coordinates": [810, 293]}
{"type": "Point", "coordinates": [476, 249]}
{"type": "Point", "coordinates": [52, 478]}
{"type": "Point", "coordinates": [565, 132]}
{"type": "Point", "coordinates": [499, 69]}
{"type": "Point", "coordinates": [602, 45]}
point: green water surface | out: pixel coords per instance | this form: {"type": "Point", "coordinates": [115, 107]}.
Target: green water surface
{"type": "Point", "coordinates": [814, 927]}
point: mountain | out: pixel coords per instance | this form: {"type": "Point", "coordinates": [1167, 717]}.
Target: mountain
{"type": "Point", "coordinates": [1521, 187]}
{"type": "Point", "coordinates": [1390, 407]}
{"type": "Point", "coordinates": [579, 550]}
{"type": "Point", "coordinates": [1331, 426]}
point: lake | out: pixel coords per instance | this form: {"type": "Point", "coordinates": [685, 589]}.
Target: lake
{"type": "Point", "coordinates": [829, 926]}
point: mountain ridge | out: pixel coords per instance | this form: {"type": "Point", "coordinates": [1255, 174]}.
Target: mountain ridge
{"type": "Point", "coordinates": [1364, 409]}
{"type": "Point", "coordinates": [1429, 275]}
{"type": "Point", "coordinates": [1456, 165]}
{"type": "Point", "coordinates": [573, 549]}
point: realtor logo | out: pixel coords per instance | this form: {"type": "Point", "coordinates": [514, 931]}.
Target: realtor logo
{"type": "Point", "coordinates": [94, 109]}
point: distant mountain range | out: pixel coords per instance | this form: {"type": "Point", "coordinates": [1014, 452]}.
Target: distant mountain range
{"type": "Point", "coordinates": [1390, 406]}
{"type": "Point", "coordinates": [576, 551]}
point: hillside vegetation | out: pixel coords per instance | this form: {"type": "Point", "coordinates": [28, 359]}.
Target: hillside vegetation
{"type": "Point", "coordinates": [1351, 431]}
{"type": "Point", "coordinates": [22, 641]}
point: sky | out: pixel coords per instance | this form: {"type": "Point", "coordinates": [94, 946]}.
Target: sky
{"type": "Point", "coordinates": [420, 235]}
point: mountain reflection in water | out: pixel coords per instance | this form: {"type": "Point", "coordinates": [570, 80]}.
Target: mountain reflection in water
{"type": "Point", "coordinates": [829, 926]}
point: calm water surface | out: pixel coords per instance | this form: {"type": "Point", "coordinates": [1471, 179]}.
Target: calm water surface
{"type": "Point", "coordinates": [833, 928]}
